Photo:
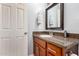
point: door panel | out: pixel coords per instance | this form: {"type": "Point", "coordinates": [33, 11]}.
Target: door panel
{"type": "Point", "coordinates": [21, 46]}
{"type": "Point", "coordinates": [6, 14]}
{"type": "Point", "coordinates": [20, 37]}
{"type": "Point", "coordinates": [20, 18]}
{"type": "Point", "coordinates": [5, 30]}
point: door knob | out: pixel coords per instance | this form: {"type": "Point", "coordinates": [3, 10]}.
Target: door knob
{"type": "Point", "coordinates": [25, 33]}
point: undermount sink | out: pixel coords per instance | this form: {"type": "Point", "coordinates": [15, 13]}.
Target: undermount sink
{"type": "Point", "coordinates": [64, 41]}
{"type": "Point", "coordinates": [45, 35]}
{"type": "Point", "coordinates": [61, 41]}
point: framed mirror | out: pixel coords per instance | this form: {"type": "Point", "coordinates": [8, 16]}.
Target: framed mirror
{"type": "Point", "coordinates": [55, 16]}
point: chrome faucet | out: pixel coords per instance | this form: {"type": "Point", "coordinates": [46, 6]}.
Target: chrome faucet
{"type": "Point", "coordinates": [51, 33]}
{"type": "Point", "coordinates": [65, 33]}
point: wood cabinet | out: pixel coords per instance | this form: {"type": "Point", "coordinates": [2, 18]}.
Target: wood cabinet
{"type": "Point", "coordinates": [44, 48]}
{"type": "Point", "coordinates": [39, 47]}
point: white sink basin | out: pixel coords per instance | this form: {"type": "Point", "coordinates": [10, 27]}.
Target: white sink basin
{"type": "Point", "coordinates": [64, 42]}
{"type": "Point", "coordinates": [45, 36]}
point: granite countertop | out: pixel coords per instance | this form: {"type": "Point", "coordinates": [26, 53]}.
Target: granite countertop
{"type": "Point", "coordinates": [60, 41]}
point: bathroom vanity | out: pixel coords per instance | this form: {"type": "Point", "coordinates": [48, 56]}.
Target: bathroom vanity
{"type": "Point", "coordinates": [47, 45]}
{"type": "Point", "coordinates": [56, 44]}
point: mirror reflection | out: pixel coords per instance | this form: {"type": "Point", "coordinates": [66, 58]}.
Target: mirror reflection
{"type": "Point", "coordinates": [54, 16]}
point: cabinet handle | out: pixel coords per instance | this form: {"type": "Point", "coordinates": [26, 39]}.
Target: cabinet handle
{"type": "Point", "coordinates": [51, 50]}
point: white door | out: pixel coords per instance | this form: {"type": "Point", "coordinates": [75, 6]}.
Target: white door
{"type": "Point", "coordinates": [13, 30]}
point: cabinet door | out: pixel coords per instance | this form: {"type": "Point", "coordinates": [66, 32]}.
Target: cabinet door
{"type": "Point", "coordinates": [54, 50]}
{"type": "Point", "coordinates": [42, 51]}
{"type": "Point", "coordinates": [36, 49]}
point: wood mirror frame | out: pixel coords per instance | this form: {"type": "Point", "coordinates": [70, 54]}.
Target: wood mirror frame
{"type": "Point", "coordinates": [61, 17]}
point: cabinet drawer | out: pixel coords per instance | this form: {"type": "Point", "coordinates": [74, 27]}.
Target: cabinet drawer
{"type": "Point", "coordinates": [54, 50]}
{"type": "Point", "coordinates": [42, 43]}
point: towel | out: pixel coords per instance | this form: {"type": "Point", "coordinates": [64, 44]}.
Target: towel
{"type": "Point", "coordinates": [73, 54]}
